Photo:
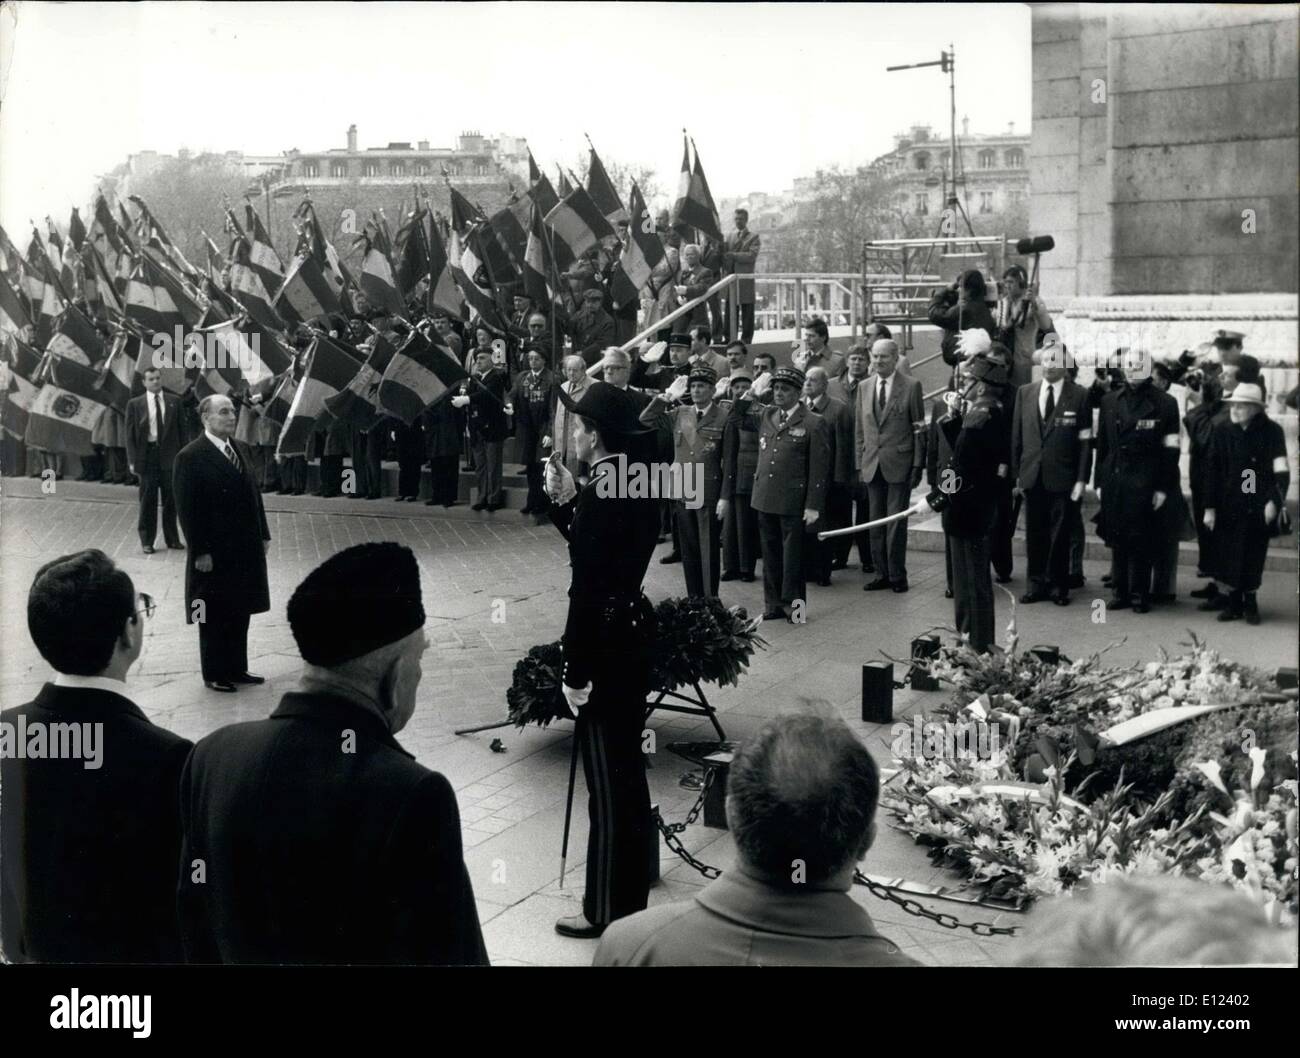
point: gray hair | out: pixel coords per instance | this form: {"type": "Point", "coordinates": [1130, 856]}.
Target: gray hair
{"type": "Point", "coordinates": [803, 789]}
{"type": "Point", "coordinates": [1154, 921]}
{"type": "Point", "coordinates": [567, 362]}
{"type": "Point", "coordinates": [615, 357]}
{"type": "Point", "coordinates": [205, 405]}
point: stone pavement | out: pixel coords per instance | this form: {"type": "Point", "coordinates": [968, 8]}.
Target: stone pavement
{"type": "Point", "coordinates": [495, 585]}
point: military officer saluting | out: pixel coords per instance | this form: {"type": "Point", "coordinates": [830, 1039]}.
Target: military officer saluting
{"type": "Point", "coordinates": [697, 430]}
{"type": "Point", "coordinates": [790, 484]}
{"type": "Point", "coordinates": [1137, 471]}
{"type": "Point", "coordinates": [975, 434]}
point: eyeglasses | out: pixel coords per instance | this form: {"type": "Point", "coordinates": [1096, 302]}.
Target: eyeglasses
{"type": "Point", "coordinates": [147, 606]}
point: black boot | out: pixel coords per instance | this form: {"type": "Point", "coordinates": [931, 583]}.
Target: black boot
{"type": "Point", "coordinates": [1235, 609]}
{"type": "Point", "coordinates": [1250, 607]}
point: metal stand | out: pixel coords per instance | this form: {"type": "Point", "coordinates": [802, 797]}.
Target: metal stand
{"type": "Point", "coordinates": [697, 706]}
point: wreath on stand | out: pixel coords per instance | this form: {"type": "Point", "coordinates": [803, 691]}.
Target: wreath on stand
{"type": "Point", "coordinates": [698, 641]}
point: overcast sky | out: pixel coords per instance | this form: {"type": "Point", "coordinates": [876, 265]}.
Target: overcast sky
{"type": "Point", "coordinates": [768, 91]}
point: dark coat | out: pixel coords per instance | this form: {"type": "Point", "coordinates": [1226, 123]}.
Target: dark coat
{"type": "Point", "coordinates": [978, 443]}
{"type": "Point", "coordinates": [944, 311]}
{"type": "Point", "coordinates": [1058, 454]}
{"type": "Point", "coordinates": [533, 420]}
{"type": "Point", "coordinates": [611, 539]}
{"type": "Point", "coordinates": [1261, 449]}
{"type": "Point", "coordinates": [89, 855]}
{"type": "Point", "coordinates": [696, 281]}
{"type": "Point", "coordinates": [739, 458]}
{"type": "Point", "coordinates": [592, 333]}
{"type": "Point", "coordinates": [320, 855]}
{"type": "Point", "coordinates": [444, 426]}
{"type": "Point", "coordinates": [839, 430]}
{"type": "Point", "coordinates": [1137, 456]}
{"type": "Point", "coordinates": [486, 409]}
{"type": "Point", "coordinates": [170, 440]}
{"type": "Point", "coordinates": [220, 511]}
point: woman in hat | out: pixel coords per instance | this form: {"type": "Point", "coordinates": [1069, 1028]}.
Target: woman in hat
{"type": "Point", "coordinates": [1248, 481]}
{"type": "Point", "coordinates": [607, 644]}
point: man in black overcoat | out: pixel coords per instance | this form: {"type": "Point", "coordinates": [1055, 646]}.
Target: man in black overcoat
{"type": "Point", "coordinates": [155, 432]}
{"type": "Point", "coordinates": [313, 836]}
{"type": "Point", "coordinates": [221, 514]}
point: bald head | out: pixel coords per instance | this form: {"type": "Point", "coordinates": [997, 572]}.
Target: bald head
{"type": "Point", "coordinates": [218, 415]}
{"type": "Point", "coordinates": [815, 382]}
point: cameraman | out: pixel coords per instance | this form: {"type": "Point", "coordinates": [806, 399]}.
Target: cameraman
{"type": "Point", "coordinates": [959, 307]}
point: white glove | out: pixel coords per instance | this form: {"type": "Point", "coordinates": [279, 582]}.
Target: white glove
{"type": "Point", "coordinates": [510, 409]}
{"type": "Point", "coordinates": [721, 390]}
{"type": "Point", "coordinates": [1158, 501]}
{"type": "Point", "coordinates": [723, 507]}
{"type": "Point", "coordinates": [1207, 519]}
{"type": "Point", "coordinates": [1076, 493]}
{"type": "Point", "coordinates": [576, 696]}
{"type": "Point", "coordinates": [762, 385]}
{"type": "Point", "coordinates": [952, 399]}
{"type": "Point", "coordinates": [1270, 512]}
{"type": "Point", "coordinates": [546, 441]}
{"type": "Point", "coordinates": [677, 390]}
{"type": "Point", "coordinates": [810, 516]}
{"type": "Point", "coordinates": [460, 401]}
{"type": "Point", "coordinates": [560, 486]}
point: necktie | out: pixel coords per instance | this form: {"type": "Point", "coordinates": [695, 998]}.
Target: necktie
{"type": "Point", "coordinates": [1050, 406]}
{"type": "Point", "coordinates": [880, 396]}
{"type": "Point", "coordinates": [234, 459]}
{"type": "Point", "coordinates": [699, 414]}
{"type": "Point", "coordinates": [157, 410]}
{"type": "Point", "coordinates": [783, 417]}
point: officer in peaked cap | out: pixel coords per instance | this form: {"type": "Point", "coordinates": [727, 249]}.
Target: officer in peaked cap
{"type": "Point", "coordinates": [697, 429]}
{"type": "Point", "coordinates": [607, 646]}
{"type": "Point", "coordinates": [790, 484]}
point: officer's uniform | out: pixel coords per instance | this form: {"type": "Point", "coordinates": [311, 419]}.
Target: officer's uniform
{"type": "Point", "coordinates": [793, 475]}
{"type": "Point", "coordinates": [697, 450]}
{"type": "Point", "coordinates": [1137, 456]}
{"type": "Point", "coordinates": [968, 484]}
{"type": "Point", "coordinates": [608, 643]}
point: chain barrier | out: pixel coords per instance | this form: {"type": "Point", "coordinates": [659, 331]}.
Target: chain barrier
{"type": "Point", "coordinates": [912, 907]}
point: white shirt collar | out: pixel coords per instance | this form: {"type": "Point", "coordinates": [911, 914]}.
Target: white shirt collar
{"type": "Point", "coordinates": [221, 445]}
{"type": "Point", "coordinates": [93, 683]}
{"type": "Point", "coordinates": [704, 410]}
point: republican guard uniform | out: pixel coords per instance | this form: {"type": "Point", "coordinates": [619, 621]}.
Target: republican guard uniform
{"type": "Point", "coordinates": [975, 434]}
{"type": "Point", "coordinates": [607, 645]}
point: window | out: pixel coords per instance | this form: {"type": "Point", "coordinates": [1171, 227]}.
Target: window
{"type": "Point", "coordinates": [922, 160]}
{"type": "Point", "coordinates": [987, 159]}
{"type": "Point", "coordinates": [944, 159]}
{"type": "Point", "coordinates": [1015, 158]}
{"type": "Point", "coordinates": [986, 201]}
{"type": "Point", "coordinates": [370, 169]}
{"type": "Point", "coordinates": [422, 169]}
{"type": "Point", "coordinates": [310, 169]}
{"type": "Point", "coordinates": [339, 169]}
{"type": "Point", "coordinates": [397, 169]}
{"type": "Point", "coordinates": [923, 204]}
{"type": "Point", "coordinates": [481, 169]}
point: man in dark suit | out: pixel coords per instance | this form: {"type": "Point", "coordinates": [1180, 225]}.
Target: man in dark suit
{"type": "Point", "coordinates": [1051, 457]}
{"type": "Point", "coordinates": [320, 838]}
{"type": "Point", "coordinates": [483, 398]}
{"type": "Point", "coordinates": [845, 387]}
{"type": "Point", "coordinates": [740, 251]}
{"type": "Point", "coordinates": [220, 508]}
{"type": "Point", "coordinates": [819, 554]}
{"type": "Point", "coordinates": [155, 433]}
{"type": "Point", "coordinates": [890, 424]}
{"type": "Point", "coordinates": [692, 281]}
{"type": "Point", "coordinates": [591, 327]}
{"type": "Point", "coordinates": [89, 839]}
{"type": "Point", "coordinates": [790, 485]}
{"type": "Point", "coordinates": [739, 464]}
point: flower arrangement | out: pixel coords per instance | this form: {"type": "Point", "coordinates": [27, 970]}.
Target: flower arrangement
{"type": "Point", "coordinates": [697, 641]}
{"type": "Point", "coordinates": [1158, 804]}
